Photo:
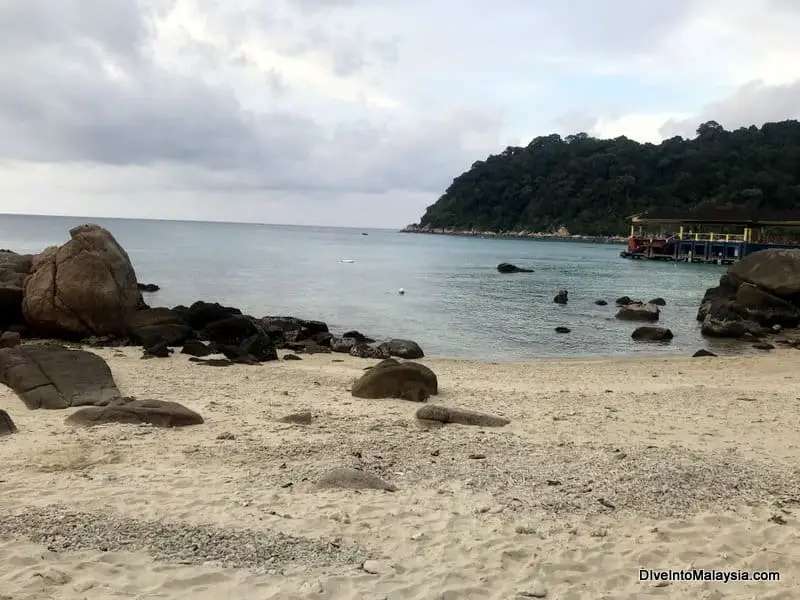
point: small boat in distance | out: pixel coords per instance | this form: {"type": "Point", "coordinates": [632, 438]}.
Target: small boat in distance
{"type": "Point", "coordinates": [364, 233]}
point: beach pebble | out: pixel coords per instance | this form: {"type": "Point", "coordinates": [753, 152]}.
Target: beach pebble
{"type": "Point", "coordinates": [378, 567]}
{"type": "Point", "coordinates": [355, 480]}
{"type": "Point", "coordinates": [524, 530]}
{"type": "Point", "coordinates": [535, 590]}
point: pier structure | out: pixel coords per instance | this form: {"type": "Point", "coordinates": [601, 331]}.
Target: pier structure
{"type": "Point", "coordinates": [713, 236]}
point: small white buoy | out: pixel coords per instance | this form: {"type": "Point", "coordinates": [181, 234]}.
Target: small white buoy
{"type": "Point", "coordinates": [401, 291]}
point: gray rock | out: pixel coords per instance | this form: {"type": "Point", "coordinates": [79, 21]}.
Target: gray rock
{"type": "Point", "coordinates": [461, 416]}
{"type": "Point", "coordinates": [52, 376]}
{"type": "Point", "coordinates": [407, 349]}
{"type": "Point", "coordinates": [304, 417]}
{"type": "Point", "coordinates": [354, 479]}
{"type": "Point", "coordinates": [648, 333]}
{"type": "Point", "coordinates": [126, 410]}
{"type": "Point", "coordinates": [7, 426]}
{"type": "Point", "coordinates": [9, 339]}
{"type": "Point", "coordinates": [393, 379]}
{"type": "Point", "coordinates": [637, 311]}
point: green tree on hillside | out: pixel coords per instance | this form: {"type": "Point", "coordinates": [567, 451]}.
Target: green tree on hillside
{"type": "Point", "coordinates": [592, 185]}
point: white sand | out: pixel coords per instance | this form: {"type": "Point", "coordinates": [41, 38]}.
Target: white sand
{"type": "Point", "coordinates": [695, 456]}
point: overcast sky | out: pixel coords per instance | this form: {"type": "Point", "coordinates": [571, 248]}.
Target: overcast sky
{"type": "Point", "coordinates": [353, 112]}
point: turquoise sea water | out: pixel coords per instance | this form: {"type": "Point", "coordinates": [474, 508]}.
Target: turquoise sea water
{"type": "Point", "coordinates": [456, 304]}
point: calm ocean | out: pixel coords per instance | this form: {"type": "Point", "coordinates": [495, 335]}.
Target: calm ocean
{"type": "Point", "coordinates": [456, 304]}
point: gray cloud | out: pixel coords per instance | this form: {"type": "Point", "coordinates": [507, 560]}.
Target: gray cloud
{"type": "Point", "coordinates": [337, 101]}
{"type": "Point", "coordinates": [753, 103]}
{"type": "Point", "coordinates": [59, 103]}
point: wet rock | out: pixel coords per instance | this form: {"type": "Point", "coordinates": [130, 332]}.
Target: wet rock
{"type": "Point", "coordinates": [148, 287]}
{"type": "Point", "coordinates": [509, 268]}
{"type": "Point", "coordinates": [638, 312]}
{"type": "Point", "coordinates": [648, 333]}
{"type": "Point", "coordinates": [703, 353]}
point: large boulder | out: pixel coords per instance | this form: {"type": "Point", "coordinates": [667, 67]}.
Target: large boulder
{"type": "Point", "coordinates": [14, 268]}
{"type": "Point", "coordinates": [52, 376]}
{"type": "Point", "coordinates": [393, 379]}
{"type": "Point", "coordinates": [760, 292]}
{"type": "Point", "coordinates": [775, 270]}
{"type": "Point", "coordinates": [159, 413]}
{"type": "Point", "coordinates": [86, 287]}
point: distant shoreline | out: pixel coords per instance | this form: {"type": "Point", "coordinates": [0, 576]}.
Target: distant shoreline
{"type": "Point", "coordinates": [592, 239]}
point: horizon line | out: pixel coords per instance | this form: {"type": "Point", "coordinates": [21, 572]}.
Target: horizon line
{"type": "Point", "coordinates": [173, 220]}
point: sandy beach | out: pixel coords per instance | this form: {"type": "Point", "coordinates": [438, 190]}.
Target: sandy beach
{"type": "Point", "coordinates": [607, 467]}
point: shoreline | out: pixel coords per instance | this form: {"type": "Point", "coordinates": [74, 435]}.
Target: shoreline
{"type": "Point", "coordinates": [539, 236]}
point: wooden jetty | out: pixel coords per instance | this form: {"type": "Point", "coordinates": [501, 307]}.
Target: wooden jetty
{"type": "Point", "coordinates": [713, 236]}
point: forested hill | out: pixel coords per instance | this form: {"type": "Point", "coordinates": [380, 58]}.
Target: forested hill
{"type": "Point", "coordinates": [591, 186]}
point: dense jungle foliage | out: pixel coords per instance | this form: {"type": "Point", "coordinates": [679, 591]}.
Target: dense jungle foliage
{"type": "Point", "coordinates": [591, 186]}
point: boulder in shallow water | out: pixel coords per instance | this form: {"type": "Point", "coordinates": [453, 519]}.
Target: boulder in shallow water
{"type": "Point", "coordinates": [505, 267]}
{"type": "Point", "coordinates": [637, 311]}
{"type": "Point", "coordinates": [51, 376]}
{"type": "Point", "coordinates": [649, 333]}
{"type": "Point", "coordinates": [159, 413]}
{"type": "Point", "coordinates": [775, 270]}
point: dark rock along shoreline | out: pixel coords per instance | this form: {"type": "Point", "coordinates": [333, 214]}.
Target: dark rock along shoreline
{"type": "Point", "coordinates": [86, 291]}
